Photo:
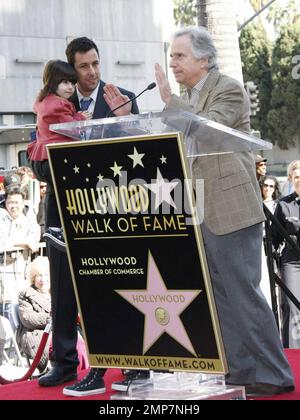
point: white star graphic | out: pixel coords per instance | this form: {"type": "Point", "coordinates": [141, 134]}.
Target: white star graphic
{"type": "Point", "coordinates": [100, 177]}
{"type": "Point", "coordinates": [137, 158]}
{"type": "Point", "coordinates": [65, 160]}
{"type": "Point", "coordinates": [163, 159]}
{"type": "Point", "coordinates": [64, 178]}
{"type": "Point", "coordinates": [162, 308]}
{"type": "Point", "coordinates": [76, 169]}
{"type": "Point", "coordinates": [88, 165]}
{"type": "Point", "coordinates": [116, 169]}
{"type": "Point", "coordinates": [162, 190]}
{"type": "Point", "coordinates": [87, 179]}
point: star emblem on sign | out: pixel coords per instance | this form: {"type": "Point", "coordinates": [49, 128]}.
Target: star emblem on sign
{"type": "Point", "coordinates": [137, 158]}
{"type": "Point", "coordinates": [116, 169]}
{"type": "Point", "coordinates": [162, 190]}
{"type": "Point", "coordinates": [162, 308]}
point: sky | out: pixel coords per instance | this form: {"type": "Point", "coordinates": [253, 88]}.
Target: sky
{"type": "Point", "coordinates": [245, 11]}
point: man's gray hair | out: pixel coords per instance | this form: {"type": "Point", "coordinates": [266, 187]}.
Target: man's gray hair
{"type": "Point", "coordinates": [202, 44]}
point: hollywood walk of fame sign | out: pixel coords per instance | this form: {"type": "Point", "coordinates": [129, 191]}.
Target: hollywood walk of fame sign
{"type": "Point", "coordinates": [136, 254]}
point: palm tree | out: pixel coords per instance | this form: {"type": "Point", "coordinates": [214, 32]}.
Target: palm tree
{"type": "Point", "coordinates": [220, 16]}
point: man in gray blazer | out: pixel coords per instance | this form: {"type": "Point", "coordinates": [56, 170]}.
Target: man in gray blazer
{"type": "Point", "coordinates": [233, 216]}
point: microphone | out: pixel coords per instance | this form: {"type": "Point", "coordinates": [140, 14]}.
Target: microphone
{"type": "Point", "coordinates": [149, 87]}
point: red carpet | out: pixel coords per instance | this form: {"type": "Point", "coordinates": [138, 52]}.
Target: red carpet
{"type": "Point", "coordinates": [32, 391]}
{"type": "Point", "coordinates": [294, 359]}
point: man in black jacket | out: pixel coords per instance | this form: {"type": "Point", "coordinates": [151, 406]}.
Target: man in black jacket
{"type": "Point", "coordinates": [101, 98]}
{"type": "Point", "coordinates": [93, 95]}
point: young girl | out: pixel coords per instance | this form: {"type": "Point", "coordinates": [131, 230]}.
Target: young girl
{"type": "Point", "coordinates": [52, 107]}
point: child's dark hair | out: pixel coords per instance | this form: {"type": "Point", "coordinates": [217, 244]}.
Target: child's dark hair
{"type": "Point", "coordinates": [54, 73]}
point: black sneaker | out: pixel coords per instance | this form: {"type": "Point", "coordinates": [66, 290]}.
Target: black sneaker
{"type": "Point", "coordinates": [91, 384]}
{"type": "Point", "coordinates": [136, 377]}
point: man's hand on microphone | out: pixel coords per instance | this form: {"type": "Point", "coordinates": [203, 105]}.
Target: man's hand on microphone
{"type": "Point", "coordinates": [114, 98]}
{"type": "Point", "coordinates": [163, 84]}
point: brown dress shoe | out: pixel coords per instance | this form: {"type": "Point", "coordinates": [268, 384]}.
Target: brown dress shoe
{"type": "Point", "coordinates": [267, 390]}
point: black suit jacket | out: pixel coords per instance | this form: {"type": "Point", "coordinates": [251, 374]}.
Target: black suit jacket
{"type": "Point", "coordinates": [101, 108]}
{"type": "Point", "coordinates": [288, 214]}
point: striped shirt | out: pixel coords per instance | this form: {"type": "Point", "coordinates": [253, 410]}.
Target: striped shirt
{"type": "Point", "coordinates": [194, 93]}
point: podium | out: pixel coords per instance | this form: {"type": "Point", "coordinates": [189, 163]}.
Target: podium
{"type": "Point", "coordinates": [213, 138]}
{"type": "Point", "coordinates": [132, 228]}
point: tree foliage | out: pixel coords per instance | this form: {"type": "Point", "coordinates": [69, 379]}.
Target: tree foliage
{"type": "Point", "coordinates": [279, 117]}
{"type": "Point", "coordinates": [284, 115]}
{"type": "Point", "coordinates": [255, 55]}
{"type": "Point", "coordinates": [278, 13]}
{"type": "Point", "coordinates": [284, 15]}
{"type": "Point", "coordinates": [185, 12]}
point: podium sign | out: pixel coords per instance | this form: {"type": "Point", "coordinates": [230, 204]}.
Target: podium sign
{"type": "Point", "coordinates": [136, 254]}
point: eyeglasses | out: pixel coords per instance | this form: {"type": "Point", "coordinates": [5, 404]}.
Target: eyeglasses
{"type": "Point", "coordinates": [269, 186]}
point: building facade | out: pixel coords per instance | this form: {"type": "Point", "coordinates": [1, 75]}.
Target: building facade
{"type": "Point", "coordinates": [131, 36]}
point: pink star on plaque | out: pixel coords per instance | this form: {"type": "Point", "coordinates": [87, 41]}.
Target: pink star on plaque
{"type": "Point", "coordinates": [162, 308]}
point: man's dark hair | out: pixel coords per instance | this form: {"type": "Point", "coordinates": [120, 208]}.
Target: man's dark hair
{"type": "Point", "coordinates": [81, 45]}
{"type": "Point", "coordinates": [55, 72]}
{"type": "Point", "coordinates": [15, 189]}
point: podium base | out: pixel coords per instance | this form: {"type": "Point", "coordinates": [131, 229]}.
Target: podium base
{"type": "Point", "coordinates": [182, 386]}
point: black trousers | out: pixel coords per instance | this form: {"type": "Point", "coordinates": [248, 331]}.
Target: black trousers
{"type": "Point", "coordinates": [63, 301]}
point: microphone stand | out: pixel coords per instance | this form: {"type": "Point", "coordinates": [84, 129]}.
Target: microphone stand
{"type": "Point", "coordinates": [151, 86]}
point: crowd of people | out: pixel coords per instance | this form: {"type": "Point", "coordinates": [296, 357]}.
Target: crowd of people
{"type": "Point", "coordinates": [286, 210]}
{"type": "Point", "coordinates": [20, 235]}
{"type": "Point", "coordinates": [232, 228]}
{"type": "Point", "coordinates": [34, 307]}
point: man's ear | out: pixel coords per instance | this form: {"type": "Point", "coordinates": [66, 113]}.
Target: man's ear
{"type": "Point", "coordinates": [203, 63]}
